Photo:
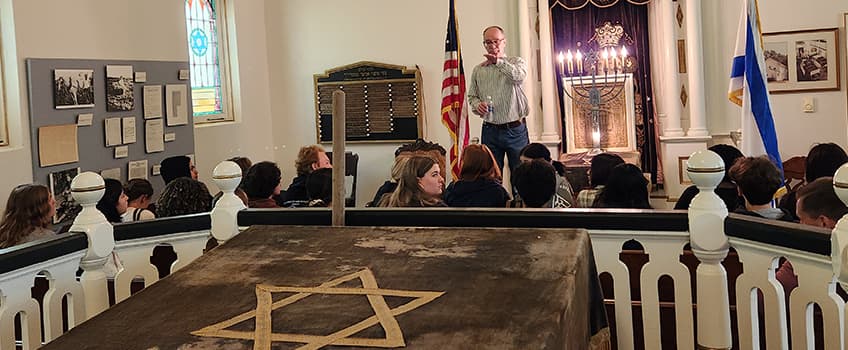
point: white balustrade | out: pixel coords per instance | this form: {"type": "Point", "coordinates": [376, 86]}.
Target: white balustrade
{"type": "Point", "coordinates": [87, 188]}
{"type": "Point", "coordinates": [839, 243]}
{"type": "Point", "coordinates": [16, 298]}
{"type": "Point", "coordinates": [227, 175]}
{"type": "Point", "coordinates": [707, 213]}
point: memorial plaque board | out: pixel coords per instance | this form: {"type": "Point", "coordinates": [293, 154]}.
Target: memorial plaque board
{"type": "Point", "coordinates": [383, 102]}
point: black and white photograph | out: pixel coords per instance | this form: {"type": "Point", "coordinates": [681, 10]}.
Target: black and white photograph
{"type": "Point", "coordinates": [119, 88]}
{"type": "Point", "coordinates": [73, 88]}
{"type": "Point", "coordinates": [60, 186]}
{"type": "Point", "coordinates": [811, 60]}
{"type": "Point", "coordinates": [802, 60]}
{"type": "Point", "coordinates": [777, 62]}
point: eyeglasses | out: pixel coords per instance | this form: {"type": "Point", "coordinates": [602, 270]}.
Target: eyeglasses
{"type": "Point", "coordinates": [492, 42]}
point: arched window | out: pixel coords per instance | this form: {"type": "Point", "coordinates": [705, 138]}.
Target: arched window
{"type": "Point", "coordinates": [207, 52]}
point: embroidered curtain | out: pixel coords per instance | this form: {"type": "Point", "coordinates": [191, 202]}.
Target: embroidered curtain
{"type": "Point", "coordinates": [572, 26]}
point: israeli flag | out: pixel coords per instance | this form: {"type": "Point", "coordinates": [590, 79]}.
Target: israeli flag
{"type": "Point", "coordinates": [748, 88]}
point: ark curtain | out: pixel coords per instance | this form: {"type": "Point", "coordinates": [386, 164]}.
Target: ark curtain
{"type": "Point", "coordinates": [572, 26]}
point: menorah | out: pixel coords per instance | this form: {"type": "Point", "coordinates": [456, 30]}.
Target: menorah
{"type": "Point", "coordinates": [597, 77]}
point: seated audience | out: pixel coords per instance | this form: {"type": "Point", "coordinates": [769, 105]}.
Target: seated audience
{"type": "Point", "coordinates": [817, 205]}
{"type": "Point", "coordinates": [822, 161]}
{"type": "Point", "coordinates": [535, 183]}
{"type": "Point", "coordinates": [390, 185]}
{"type": "Point", "coordinates": [626, 188]}
{"type": "Point", "coordinates": [424, 148]}
{"type": "Point", "coordinates": [113, 204]}
{"type": "Point", "coordinates": [479, 183]}
{"type": "Point", "coordinates": [176, 167]}
{"type": "Point", "coordinates": [420, 147]}
{"type": "Point", "coordinates": [758, 179]}
{"type": "Point", "coordinates": [726, 189]}
{"type": "Point", "coordinates": [309, 159]}
{"type": "Point", "coordinates": [139, 194]}
{"type": "Point", "coordinates": [564, 197]}
{"type": "Point", "coordinates": [319, 187]}
{"type": "Point", "coordinates": [420, 185]}
{"type": "Point", "coordinates": [599, 172]}
{"type": "Point", "coordinates": [29, 211]}
{"type": "Point", "coordinates": [261, 183]}
{"type": "Point", "coordinates": [183, 196]}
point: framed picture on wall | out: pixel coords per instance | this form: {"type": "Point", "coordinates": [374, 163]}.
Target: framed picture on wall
{"type": "Point", "coordinates": [73, 88]}
{"type": "Point", "coordinates": [60, 186]}
{"type": "Point", "coordinates": [803, 60]}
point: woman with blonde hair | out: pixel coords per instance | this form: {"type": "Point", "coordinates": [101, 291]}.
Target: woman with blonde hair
{"type": "Point", "coordinates": [29, 211]}
{"type": "Point", "coordinates": [479, 183]}
{"type": "Point", "coordinates": [420, 185]}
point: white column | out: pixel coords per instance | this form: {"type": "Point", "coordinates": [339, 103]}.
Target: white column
{"type": "Point", "coordinates": [549, 98]}
{"type": "Point", "coordinates": [227, 176]}
{"type": "Point", "coordinates": [87, 188]}
{"type": "Point", "coordinates": [671, 99]}
{"type": "Point", "coordinates": [695, 56]}
{"type": "Point", "coordinates": [525, 40]}
{"type": "Point", "coordinates": [710, 245]}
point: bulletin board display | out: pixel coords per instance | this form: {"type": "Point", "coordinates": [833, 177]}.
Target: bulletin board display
{"type": "Point", "coordinates": [383, 102]}
{"type": "Point", "coordinates": [112, 117]}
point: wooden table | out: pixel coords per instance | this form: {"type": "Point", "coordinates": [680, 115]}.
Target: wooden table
{"type": "Point", "coordinates": [291, 287]}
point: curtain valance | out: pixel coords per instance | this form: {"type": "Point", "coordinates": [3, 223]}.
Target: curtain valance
{"type": "Point", "coordinates": [579, 4]}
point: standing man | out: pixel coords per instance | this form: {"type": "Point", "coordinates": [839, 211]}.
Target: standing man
{"type": "Point", "coordinates": [496, 95]}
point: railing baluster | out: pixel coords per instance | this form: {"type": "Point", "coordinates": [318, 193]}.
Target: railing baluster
{"type": "Point", "coordinates": [87, 188]}
{"type": "Point", "coordinates": [227, 175]}
{"type": "Point", "coordinates": [709, 243]}
{"type": "Point", "coordinates": [839, 246]}
{"type": "Point", "coordinates": [611, 264]}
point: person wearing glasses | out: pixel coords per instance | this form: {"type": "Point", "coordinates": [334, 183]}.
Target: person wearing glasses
{"type": "Point", "coordinates": [496, 95]}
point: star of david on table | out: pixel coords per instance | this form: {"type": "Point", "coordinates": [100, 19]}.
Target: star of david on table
{"type": "Point", "coordinates": [263, 335]}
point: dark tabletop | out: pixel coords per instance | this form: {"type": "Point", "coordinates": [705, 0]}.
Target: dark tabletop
{"type": "Point", "coordinates": [365, 287]}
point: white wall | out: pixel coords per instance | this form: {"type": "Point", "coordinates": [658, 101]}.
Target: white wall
{"type": "Point", "coordinates": [76, 29]}
{"type": "Point", "coordinates": [307, 37]}
{"type": "Point", "coordinates": [797, 131]}
{"type": "Point", "coordinates": [251, 134]}
{"type": "Point", "coordinates": [131, 30]}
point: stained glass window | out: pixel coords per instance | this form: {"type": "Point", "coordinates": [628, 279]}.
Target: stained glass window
{"type": "Point", "coordinates": [205, 58]}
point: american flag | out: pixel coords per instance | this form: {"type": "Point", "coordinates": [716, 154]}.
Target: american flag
{"type": "Point", "coordinates": [454, 110]}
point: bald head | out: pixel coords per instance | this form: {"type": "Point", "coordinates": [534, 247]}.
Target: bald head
{"type": "Point", "coordinates": [493, 28]}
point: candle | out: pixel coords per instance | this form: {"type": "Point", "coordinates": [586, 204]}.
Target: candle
{"type": "Point", "coordinates": [614, 58]}
{"type": "Point", "coordinates": [604, 60]}
{"type": "Point", "coordinates": [596, 137]}
{"type": "Point", "coordinates": [623, 57]}
{"type": "Point", "coordinates": [561, 59]}
{"type": "Point", "coordinates": [579, 58]}
{"type": "Point", "coordinates": [569, 58]}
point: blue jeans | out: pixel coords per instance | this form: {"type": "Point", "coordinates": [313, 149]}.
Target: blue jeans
{"type": "Point", "coordinates": [505, 140]}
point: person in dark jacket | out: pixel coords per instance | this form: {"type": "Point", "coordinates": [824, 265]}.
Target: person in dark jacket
{"type": "Point", "coordinates": [309, 159]}
{"type": "Point", "coordinates": [726, 189]}
{"type": "Point", "coordinates": [176, 167]}
{"type": "Point", "coordinates": [479, 183]}
{"type": "Point", "coordinates": [822, 161]}
{"type": "Point", "coordinates": [758, 179]}
{"type": "Point", "coordinates": [261, 183]}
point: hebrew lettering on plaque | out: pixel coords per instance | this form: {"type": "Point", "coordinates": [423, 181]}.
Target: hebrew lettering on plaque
{"type": "Point", "coordinates": [382, 102]}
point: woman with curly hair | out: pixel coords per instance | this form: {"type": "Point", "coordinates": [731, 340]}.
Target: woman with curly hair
{"type": "Point", "coordinates": [420, 185]}
{"type": "Point", "coordinates": [28, 214]}
{"type": "Point", "coordinates": [183, 196]}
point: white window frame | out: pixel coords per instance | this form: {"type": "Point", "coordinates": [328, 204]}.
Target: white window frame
{"type": "Point", "coordinates": [221, 25]}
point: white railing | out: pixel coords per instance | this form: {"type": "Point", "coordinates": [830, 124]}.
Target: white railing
{"type": "Point", "coordinates": [817, 276]}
